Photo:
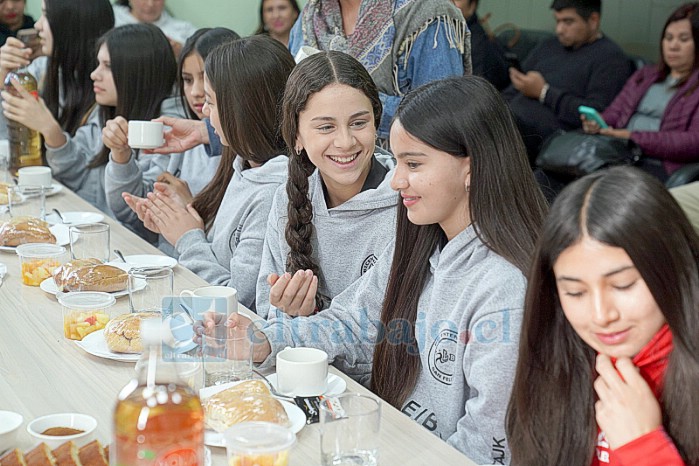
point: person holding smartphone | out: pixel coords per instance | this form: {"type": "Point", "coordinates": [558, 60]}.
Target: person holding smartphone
{"type": "Point", "coordinates": [13, 19]}
{"type": "Point", "coordinates": [658, 106]}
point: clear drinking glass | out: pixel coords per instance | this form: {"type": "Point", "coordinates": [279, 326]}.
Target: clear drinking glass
{"type": "Point", "coordinates": [150, 288]}
{"type": "Point", "coordinates": [90, 241]}
{"type": "Point", "coordinates": [227, 356]}
{"type": "Point", "coordinates": [349, 430]}
{"type": "Point", "coordinates": [27, 201]}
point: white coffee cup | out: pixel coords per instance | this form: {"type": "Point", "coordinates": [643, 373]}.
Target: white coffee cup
{"type": "Point", "coordinates": [34, 176]}
{"type": "Point", "coordinates": [145, 134]}
{"type": "Point", "coordinates": [230, 295]}
{"type": "Point", "coordinates": [302, 371]}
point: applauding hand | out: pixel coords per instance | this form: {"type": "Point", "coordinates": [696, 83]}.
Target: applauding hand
{"type": "Point", "coordinates": [627, 408]}
{"type": "Point", "coordinates": [170, 217]}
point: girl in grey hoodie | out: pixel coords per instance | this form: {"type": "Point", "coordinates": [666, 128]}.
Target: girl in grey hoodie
{"type": "Point", "coordinates": [433, 327]}
{"type": "Point", "coordinates": [219, 236]}
{"type": "Point", "coordinates": [337, 211]}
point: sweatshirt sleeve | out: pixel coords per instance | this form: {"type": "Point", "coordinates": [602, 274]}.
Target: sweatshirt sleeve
{"type": "Point", "coordinates": [489, 369]}
{"type": "Point", "coordinates": [241, 271]}
{"type": "Point", "coordinates": [346, 330]}
{"type": "Point", "coordinates": [69, 162]}
{"type": "Point", "coordinates": [651, 449]}
{"type": "Point", "coordinates": [272, 260]}
{"type": "Point", "coordinates": [672, 146]}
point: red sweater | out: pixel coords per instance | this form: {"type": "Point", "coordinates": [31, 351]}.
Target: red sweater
{"type": "Point", "coordinates": [654, 448]}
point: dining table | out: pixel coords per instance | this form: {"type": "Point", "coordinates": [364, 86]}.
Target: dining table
{"type": "Point", "coordinates": [42, 372]}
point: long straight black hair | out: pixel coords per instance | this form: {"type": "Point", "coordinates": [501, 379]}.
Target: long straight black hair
{"type": "Point", "coordinates": [551, 417]}
{"type": "Point", "coordinates": [464, 117]}
{"type": "Point", "coordinates": [248, 76]}
{"type": "Point", "coordinates": [144, 71]}
{"type": "Point", "coordinates": [76, 25]}
{"type": "Point", "coordinates": [202, 42]}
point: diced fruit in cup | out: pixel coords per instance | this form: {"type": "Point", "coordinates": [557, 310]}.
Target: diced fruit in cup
{"type": "Point", "coordinates": [77, 325]}
{"type": "Point", "coordinates": [35, 272]}
{"type": "Point", "coordinates": [275, 459]}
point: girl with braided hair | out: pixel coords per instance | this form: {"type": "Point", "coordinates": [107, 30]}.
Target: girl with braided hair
{"type": "Point", "coordinates": [336, 214]}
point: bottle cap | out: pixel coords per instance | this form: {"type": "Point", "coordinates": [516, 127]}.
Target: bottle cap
{"type": "Point", "coordinates": [151, 331]}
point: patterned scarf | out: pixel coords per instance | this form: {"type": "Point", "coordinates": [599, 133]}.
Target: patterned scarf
{"type": "Point", "coordinates": [384, 30]}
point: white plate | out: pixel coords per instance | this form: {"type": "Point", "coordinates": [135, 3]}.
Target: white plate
{"type": "Point", "coordinates": [335, 385]}
{"type": "Point", "coordinates": [148, 260]}
{"type": "Point", "coordinates": [297, 419]}
{"type": "Point", "coordinates": [49, 286]}
{"type": "Point", "coordinates": [74, 218]}
{"type": "Point", "coordinates": [61, 233]}
{"type": "Point", "coordinates": [96, 345]}
{"type": "Point", "coordinates": [55, 189]}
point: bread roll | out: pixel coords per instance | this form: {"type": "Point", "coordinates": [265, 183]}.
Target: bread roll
{"type": "Point", "coordinates": [89, 275]}
{"type": "Point", "coordinates": [22, 230]}
{"type": "Point", "coordinates": [123, 333]}
{"type": "Point", "coordinates": [247, 401]}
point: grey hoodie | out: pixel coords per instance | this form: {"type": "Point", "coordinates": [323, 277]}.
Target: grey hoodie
{"type": "Point", "coordinates": [230, 253]}
{"type": "Point", "coordinates": [346, 239]}
{"type": "Point", "coordinates": [69, 163]}
{"type": "Point", "coordinates": [138, 175]}
{"type": "Point", "coordinates": [467, 332]}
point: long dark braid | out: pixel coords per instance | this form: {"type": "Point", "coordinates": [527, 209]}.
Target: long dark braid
{"type": "Point", "coordinates": [299, 228]}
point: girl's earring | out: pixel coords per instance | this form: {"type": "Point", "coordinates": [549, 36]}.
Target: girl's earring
{"type": "Point", "coordinates": [298, 151]}
{"type": "Point", "coordinates": [468, 188]}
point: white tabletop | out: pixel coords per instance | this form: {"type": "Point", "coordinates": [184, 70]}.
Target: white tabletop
{"type": "Point", "coordinates": [41, 372]}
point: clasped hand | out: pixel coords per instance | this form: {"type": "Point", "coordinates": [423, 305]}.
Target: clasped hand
{"type": "Point", "coordinates": [295, 295]}
{"type": "Point", "coordinates": [627, 408]}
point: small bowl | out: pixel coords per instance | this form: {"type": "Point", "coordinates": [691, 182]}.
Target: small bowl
{"type": "Point", "coordinates": [39, 260]}
{"type": "Point", "coordinates": [83, 422]}
{"type": "Point", "coordinates": [9, 426]}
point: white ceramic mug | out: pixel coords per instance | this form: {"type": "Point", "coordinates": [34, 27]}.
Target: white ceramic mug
{"type": "Point", "coordinates": [145, 134]}
{"type": "Point", "coordinates": [34, 176]}
{"type": "Point", "coordinates": [230, 295]}
{"type": "Point", "coordinates": [302, 371]}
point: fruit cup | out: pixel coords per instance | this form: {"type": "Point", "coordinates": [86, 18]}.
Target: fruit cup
{"type": "Point", "coordinates": [258, 444]}
{"type": "Point", "coordinates": [39, 260]}
{"type": "Point", "coordinates": [85, 312]}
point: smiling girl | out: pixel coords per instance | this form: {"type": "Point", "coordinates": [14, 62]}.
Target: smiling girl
{"type": "Point", "coordinates": [609, 362]}
{"type": "Point", "coordinates": [433, 326]}
{"type": "Point", "coordinates": [277, 17]}
{"type": "Point", "coordinates": [337, 212]}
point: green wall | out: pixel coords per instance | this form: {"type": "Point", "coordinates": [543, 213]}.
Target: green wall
{"type": "Point", "coordinates": [634, 24]}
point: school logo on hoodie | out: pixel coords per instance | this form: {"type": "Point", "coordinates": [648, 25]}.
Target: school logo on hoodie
{"type": "Point", "coordinates": [235, 238]}
{"type": "Point", "coordinates": [368, 263]}
{"type": "Point", "coordinates": [442, 356]}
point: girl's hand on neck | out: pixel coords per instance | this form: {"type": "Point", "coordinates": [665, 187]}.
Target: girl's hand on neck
{"type": "Point", "coordinates": [627, 408]}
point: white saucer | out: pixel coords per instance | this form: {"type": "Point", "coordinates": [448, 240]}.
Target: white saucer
{"type": "Point", "coordinates": [55, 189]}
{"type": "Point", "coordinates": [148, 260]}
{"type": "Point", "coordinates": [335, 385]}
{"type": "Point", "coordinates": [49, 286]}
{"type": "Point", "coordinates": [96, 345]}
{"type": "Point", "coordinates": [74, 218]}
{"type": "Point", "coordinates": [297, 419]}
{"type": "Point", "coordinates": [61, 233]}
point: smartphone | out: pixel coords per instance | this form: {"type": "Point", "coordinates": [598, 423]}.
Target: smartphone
{"type": "Point", "coordinates": [30, 38]}
{"type": "Point", "coordinates": [592, 114]}
{"type": "Point", "coordinates": [513, 61]}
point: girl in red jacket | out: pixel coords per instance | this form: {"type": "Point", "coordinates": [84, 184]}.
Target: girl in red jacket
{"type": "Point", "coordinates": [609, 353]}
